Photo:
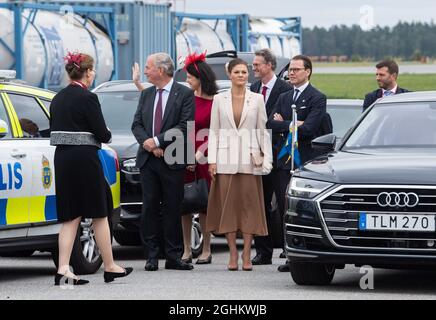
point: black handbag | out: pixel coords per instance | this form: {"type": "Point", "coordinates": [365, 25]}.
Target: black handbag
{"type": "Point", "coordinates": [195, 196]}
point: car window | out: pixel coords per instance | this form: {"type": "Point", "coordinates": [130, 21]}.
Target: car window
{"type": "Point", "coordinates": [396, 125]}
{"type": "Point", "coordinates": [119, 109]}
{"type": "Point", "coordinates": [343, 117]}
{"type": "Point", "coordinates": [46, 103]}
{"type": "Point", "coordinates": [4, 117]}
{"type": "Point", "coordinates": [34, 122]}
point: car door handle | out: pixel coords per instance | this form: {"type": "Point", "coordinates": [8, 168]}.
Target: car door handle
{"type": "Point", "coordinates": [18, 154]}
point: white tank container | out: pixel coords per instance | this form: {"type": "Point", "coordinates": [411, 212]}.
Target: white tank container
{"type": "Point", "coordinates": [291, 47]}
{"type": "Point", "coordinates": [61, 33]}
{"type": "Point", "coordinates": [268, 34]}
{"type": "Point", "coordinates": [33, 48]}
{"type": "Point", "coordinates": [198, 36]}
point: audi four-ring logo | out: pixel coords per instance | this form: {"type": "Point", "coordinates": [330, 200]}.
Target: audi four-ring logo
{"type": "Point", "coordinates": [397, 199]}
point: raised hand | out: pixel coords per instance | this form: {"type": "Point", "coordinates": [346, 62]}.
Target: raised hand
{"type": "Point", "coordinates": [135, 72]}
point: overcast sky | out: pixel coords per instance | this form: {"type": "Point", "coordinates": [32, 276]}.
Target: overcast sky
{"type": "Point", "coordinates": [323, 13]}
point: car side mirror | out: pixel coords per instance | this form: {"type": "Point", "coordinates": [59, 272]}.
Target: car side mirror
{"type": "Point", "coordinates": [4, 130]}
{"type": "Point", "coordinates": [326, 142]}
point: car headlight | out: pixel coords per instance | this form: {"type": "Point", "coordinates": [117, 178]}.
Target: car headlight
{"type": "Point", "coordinates": [129, 166]}
{"type": "Point", "coordinates": [306, 188]}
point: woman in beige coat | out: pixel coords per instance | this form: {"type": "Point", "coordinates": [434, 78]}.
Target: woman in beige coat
{"type": "Point", "coordinates": [239, 153]}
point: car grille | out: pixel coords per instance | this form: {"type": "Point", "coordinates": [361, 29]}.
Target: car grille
{"type": "Point", "coordinates": [341, 214]}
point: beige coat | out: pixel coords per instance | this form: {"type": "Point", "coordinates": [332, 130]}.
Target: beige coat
{"type": "Point", "coordinates": [238, 149]}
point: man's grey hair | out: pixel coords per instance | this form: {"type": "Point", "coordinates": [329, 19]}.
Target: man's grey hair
{"type": "Point", "coordinates": [268, 56]}
{"type": "Point", "coordinates": [164, 61]}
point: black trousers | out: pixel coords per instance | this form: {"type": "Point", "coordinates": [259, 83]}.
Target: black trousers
{"type": "Point", "coordinates": [276, 182]}
{"type": "Point", "coordinates": [162, 190]}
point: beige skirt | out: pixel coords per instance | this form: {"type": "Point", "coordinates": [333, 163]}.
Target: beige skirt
{"type": "Point", "coordinates": [236, 204]}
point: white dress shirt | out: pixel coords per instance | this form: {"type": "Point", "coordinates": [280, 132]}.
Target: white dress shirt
{"type": "Point", "coordinates": [270, 86]}
{"type": "Point", "coordinates": [300, 90]}
{"type": "Point", "coordinates": [393, 91]}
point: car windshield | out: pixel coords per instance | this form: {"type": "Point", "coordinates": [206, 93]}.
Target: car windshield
{"type": "Point", "coordinates": [411, 125]}
{"type": "Point", "coordinates": [119, 109]}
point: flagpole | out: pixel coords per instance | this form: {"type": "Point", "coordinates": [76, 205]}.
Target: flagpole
{"type": "Point", "coordinates": [294, 132]}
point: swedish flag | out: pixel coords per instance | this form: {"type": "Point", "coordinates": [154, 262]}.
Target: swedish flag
{"type": "Point", "coordinates": [287, 149]}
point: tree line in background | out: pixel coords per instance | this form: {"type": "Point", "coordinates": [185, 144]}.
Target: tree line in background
{"type": "Point", "coordinates": [407, 41]}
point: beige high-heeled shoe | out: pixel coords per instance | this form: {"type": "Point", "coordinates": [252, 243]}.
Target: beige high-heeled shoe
{"type": "Point", "coordinates": [232, 267]}
{"type": "Point", "coordinates": [244, 267]}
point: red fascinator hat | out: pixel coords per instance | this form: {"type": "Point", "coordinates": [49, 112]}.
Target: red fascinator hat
{"type": "Point", "coordinates": [195, 58]}
{"type": "Point", "coordinates": [74, 58]}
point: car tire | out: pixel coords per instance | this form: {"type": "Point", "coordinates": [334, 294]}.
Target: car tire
{"type": "Point", "coordinates": [311, 274]}
{"type": "Point", "coordinates": [85, 256]}
{"type": "Point", "coordinates": [127, 238]}
{"type": "Point", "coordinates": [196, 236]}
{"type": "Point", "coordinates": [17, 254]}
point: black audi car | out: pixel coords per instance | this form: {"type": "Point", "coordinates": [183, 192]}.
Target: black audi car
{"type": "Point", "coordinates": [373, 200]}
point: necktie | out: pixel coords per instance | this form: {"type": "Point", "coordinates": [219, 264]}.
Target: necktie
{"type": "Point", "coordinates": [264, 89]}
{"type": "Point", "coordinates": [296, 92]}
{"type": "Point", "coordinates": [388, 93]}
{"type": "Point", "coordinates": [158, 114]}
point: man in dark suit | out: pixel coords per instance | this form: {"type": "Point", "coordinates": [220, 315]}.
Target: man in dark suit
{"type": "Point", "coordinates": [311, 112]}
{"type": "Point", "coordinates": [386, 76]}
{"type": "Point", "coordinates": [264, 65]}
{"type": "Point", "coordinates": [160, 125]}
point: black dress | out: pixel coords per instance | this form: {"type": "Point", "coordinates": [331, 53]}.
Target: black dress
{"type": "Point", "coordinates": [81, 189]}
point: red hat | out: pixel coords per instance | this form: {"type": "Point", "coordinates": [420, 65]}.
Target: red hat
{"type": "Point", "coordinates": [193, 58]}
{"type": "Point", "coordinates": [74, 58]}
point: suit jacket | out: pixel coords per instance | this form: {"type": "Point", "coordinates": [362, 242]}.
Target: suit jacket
{"type": "Point", "coordinates": [280, 86]}
{"type": "Point", "coordinates": [311, 108]}
{"type": "Point", "coordinates": [237, 149]}
{"type": "Point", "coordinates": [179, 110]}
{"type": "Point", "coordinates": [372, 97]}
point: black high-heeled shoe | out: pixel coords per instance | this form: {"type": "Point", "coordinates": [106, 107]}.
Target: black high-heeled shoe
{"type": "Point", "coordinates": [110, 276]}
{"type": "Point", "coordinates": [205, 261]}
{"type": "Point", "coordinates": [188, 259]}
{"type": "Point", "coordinates": [68, 280]}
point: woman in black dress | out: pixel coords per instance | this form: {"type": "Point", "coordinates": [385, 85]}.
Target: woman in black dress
{"type": "Point", "coordinates": [78, 129]}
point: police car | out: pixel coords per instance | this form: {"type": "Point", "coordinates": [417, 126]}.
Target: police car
{"type": "Point", "coordinates": [28, 217]}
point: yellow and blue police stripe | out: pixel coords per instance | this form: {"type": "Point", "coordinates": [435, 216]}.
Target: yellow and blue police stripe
{"type": "Point", "coordinates": [37, 209]}
{"type": "Point", "coordinates": [14, 211]}
{"type": "Point", "coordinates": [3, 203]}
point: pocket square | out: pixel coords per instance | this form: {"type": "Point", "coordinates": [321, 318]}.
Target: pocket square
{"type": "Point", "coordinates": [303, 107]}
